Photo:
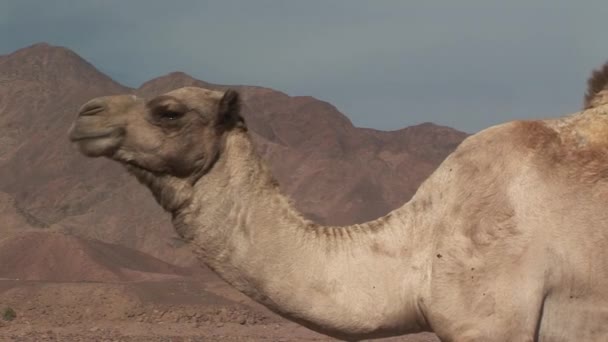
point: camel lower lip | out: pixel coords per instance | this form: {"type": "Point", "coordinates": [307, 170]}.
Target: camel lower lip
{"type": "Point", "coordinates": [90, 137]}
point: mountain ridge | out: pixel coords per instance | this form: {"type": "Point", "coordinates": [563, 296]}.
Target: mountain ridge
{"type": "Point", "coordinates": [336, 173]}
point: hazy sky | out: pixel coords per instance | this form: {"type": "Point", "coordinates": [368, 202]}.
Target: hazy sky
{"type": "Point", "coordinates": [385, 64]}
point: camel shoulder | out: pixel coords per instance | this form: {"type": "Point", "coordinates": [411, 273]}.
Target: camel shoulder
{"type": "Point", "coordinates": [575, 146]}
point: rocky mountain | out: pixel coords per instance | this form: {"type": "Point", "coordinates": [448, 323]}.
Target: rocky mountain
{"type": "Point", "coordinates": [336, 173]}
{"type": "Point", "coordinates": [59, 257]}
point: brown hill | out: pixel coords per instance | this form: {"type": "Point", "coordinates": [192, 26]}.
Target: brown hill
{"type": "Point", "coordinates": [337, 173]}
{"type": "Point", "coordinates": [52, 256]}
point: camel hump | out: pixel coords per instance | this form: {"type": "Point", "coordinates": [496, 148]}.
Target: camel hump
{"type": "Point", "coordinates": [597, 88]}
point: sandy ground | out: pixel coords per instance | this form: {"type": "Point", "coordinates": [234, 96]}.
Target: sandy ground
{"type": "Point", "coordinates": [173, 332]}
{"type": "Point", "coordinates": [144, 311]}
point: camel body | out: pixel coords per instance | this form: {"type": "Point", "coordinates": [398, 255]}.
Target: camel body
{"type": "Point", "coordinates": [506, 241]}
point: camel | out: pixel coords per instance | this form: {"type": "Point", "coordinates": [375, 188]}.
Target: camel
{"type": "Point", "coordinates": [507, 240]}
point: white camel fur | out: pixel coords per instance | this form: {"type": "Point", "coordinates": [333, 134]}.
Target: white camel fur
{"type": "Point", "coordinates": [506, 241]}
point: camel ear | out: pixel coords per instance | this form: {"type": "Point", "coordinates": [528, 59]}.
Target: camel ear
{"type": "Point", "coordinates": [229, 112]}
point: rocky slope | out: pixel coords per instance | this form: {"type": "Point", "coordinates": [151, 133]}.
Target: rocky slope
{"type": "Point", "coordinates": [59, 257]}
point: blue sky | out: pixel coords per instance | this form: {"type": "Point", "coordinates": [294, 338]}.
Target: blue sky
{"type": "Point", "coordinates": [386, 64]}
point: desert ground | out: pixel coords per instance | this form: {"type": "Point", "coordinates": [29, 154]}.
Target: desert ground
{"type": "Point", "coordinates": [166, 310]}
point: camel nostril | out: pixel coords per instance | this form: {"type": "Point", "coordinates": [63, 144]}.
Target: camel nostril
{"type": "Point", "coordinates": [91, 108]}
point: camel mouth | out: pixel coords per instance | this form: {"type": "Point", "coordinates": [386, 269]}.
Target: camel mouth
{"type": "Point", "coordinates": [78, 137]}
{"type": "Point", "coordinates": [89, 129]}
{"type": "Point", "coordinates": [94, 143]}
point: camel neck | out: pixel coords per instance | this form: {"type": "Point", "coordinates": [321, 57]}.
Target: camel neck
{"type": "Point", "coordinates": [328, 278]}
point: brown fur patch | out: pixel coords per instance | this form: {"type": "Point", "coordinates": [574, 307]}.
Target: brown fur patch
{"type": "Point", "coordinates": [535, 134]}
{"type": "Point", "coordinates": [378, 249]}
{"type": "Point", "coordinates": [597, 83]}
{"type": "Point", "coordinates": [562, 153]}
{"type": "Point", "coordinates": [587, 165]}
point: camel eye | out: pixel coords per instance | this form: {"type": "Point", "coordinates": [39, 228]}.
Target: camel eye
{"type": "Point", "coordinates": [166, 110]}
{"type": "Point", "coordinates": [169, 115]}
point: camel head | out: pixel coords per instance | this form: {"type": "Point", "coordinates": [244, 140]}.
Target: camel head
{"type": "Point", "coordinates": [178, 133]}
